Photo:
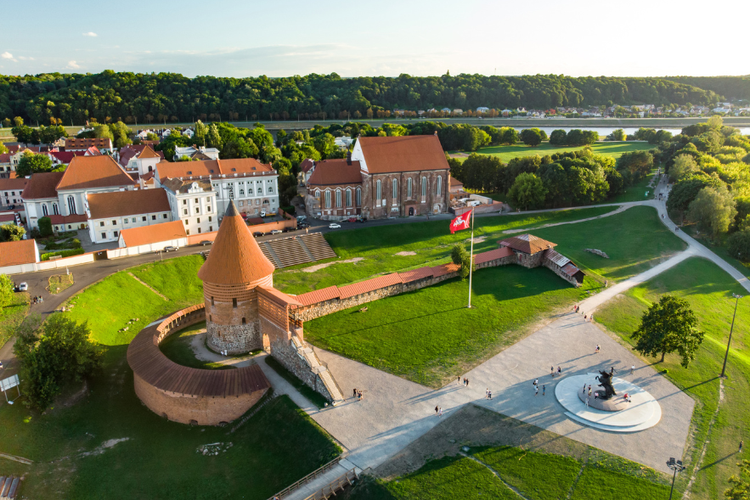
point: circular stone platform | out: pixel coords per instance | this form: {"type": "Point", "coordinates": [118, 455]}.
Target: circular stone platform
{"type": "Point", "coordinates": [619, 416]}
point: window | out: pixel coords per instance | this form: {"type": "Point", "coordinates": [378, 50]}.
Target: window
{"type": "Point", "coordinates": [163, 216]}
{"type": "Point", "coordinates": [242, 192]}
{"type": "Point", "coordinates": [208, 209]}
{"type": "Point", "coordinates": [199, 220]}
{"type": "Point", "coordinates": [114, 222]}
{"type": "Point", "coordinates": [328, 199]}
{"type": "Point", "coordinates": [243, 321]}
{"type": "Point", "coordinates": [234, 303]}
{"type": "Point", "coordinates": [196, 200]}
{"type": "Point", "coordinates": [270, 190]}
{"type": "Point", "coordinates": [210, 218]}
{"type": "Point", "coordinates": [212, 301]}
{"type": "Point", "coordinates": [143, 219]}
{"type": "Point", "coordinates": [439, 186]}
{"type": "Point", "coordinates": [408, 187]}
{"type": "Point", "coordinates": [186, 222]}
{"type": "Point", "coordinates": [55, 209]}
{"type": "Point", "coordinates": [348, 197]}
{"type": "Point", "coordinates": [359, 197]}
{"type": "Point", "coordinates": [184, 202]}
{"type": "Point", "coordinates": [104, 236]}
{"type": "Point", "coordinates": [126, 220]}
{"type": "Point", "coordinates": [184, 211]}
{"type": "Point", "coordinates": [153, 217]}
{"type": "Point", "coordinates": [210, 228]}
{"type": "Point", "coordinates": [115, 234]}
{"type": "Point", "coordinates": [424, 186]}
{"type": "Point", "coordinates": [394, 182]}
{"type": "Point", "coordinates": [199, 229]}
{"type": "Point", "coordinates": [101, 224]}
{"type": "Point", "coordinates": [133, 220]}
{"type": "Point", "coordinates": [197, 210]}
{"type": "Point", "coordinates": [208, 199]}
{"type": "Point", "coordinates": [187, 232]}
{"type": "Point", "coordinates": [44, 210]}
{"type": "Point", "coordinates": [71, 205]}
{"type": "Point", "coordinates": [338, 199]}
{"type": "Point", "coordinates": [378, 191]}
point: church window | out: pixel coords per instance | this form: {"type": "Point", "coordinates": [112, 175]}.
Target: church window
{"type": "Point", "coordinates": [328, 199]}
{"type": "Point", "coordinates": [394, 183]}
{"type": "Point", "coordinates": [55, 209]}
{"type": "Point", "coordinates": [424, 186]}
{"type": "Point", "coordinates": [338, 199]}
{"type": "Point", "coordinates": [439, 188]}
{"type": "Point", "coordinates": [44, 210]}
{"type": "Point", "coordinates": [348, 197]}
{"type": "Point", "coordinates": [71, 205]}
{"type": "Point", "coordinates": [378, 191]}
{"type": "Point", "coordinates": [359, 197]}
{"type": "Point", "coordinates": [408, 187]}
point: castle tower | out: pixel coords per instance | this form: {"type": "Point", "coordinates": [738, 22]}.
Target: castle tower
{"type": "Point", "coordinates": [234, 269]}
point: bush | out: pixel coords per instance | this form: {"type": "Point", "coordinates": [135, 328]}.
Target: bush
{"type": "Point", "coordinates": [738, 245]}
{"type": "Point", "coordinates": [460, 256]}
{"type": "Point", "coordinates": [63, 253]}
{"type": "Point", "coordinates": [290, 209]}
{"type": "Point", "coordinates": [45, 227]}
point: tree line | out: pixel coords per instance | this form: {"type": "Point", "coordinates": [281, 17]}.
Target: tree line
{"type": "Point", "coordinates": [55, 98]}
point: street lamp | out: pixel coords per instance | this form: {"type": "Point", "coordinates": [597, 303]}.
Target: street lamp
{"type": "Point", "coordinates": [729, 342]}
{"type": "Point", "coordinates": [676, 466]}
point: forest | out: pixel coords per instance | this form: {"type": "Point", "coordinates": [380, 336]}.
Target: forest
{"type": "Point", "coordinates": [55, 98]}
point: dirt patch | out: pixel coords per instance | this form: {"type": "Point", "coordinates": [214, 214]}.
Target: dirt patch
{"type": "Point", "coordinates": [405, 254]}
{"type": "Point", "coordinates": [475, 426]}
{"type": "Point", "coordinates": [478, 240]}
{"type": "Point", "coordinates": [59, 282]}
{"type": "Point", "coordinates": [318, 267]}
{"type": "Point", "coordinates": [102, 447]}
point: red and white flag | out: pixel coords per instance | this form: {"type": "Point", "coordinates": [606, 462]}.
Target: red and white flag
{"type": "Point", "coordinates": [461, 222]}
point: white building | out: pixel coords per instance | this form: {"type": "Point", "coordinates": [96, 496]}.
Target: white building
{"type": "Point", "coordinates": [252, 185]}
{"type": "Point", "coordinates": [194, 203]}
{"type": "Point", "coordinates": [110, 213]}
{"type": "Point", "coordinates": [139, 158]}
{"type": "Point", "coordinates": [11, 191]}
{"type": "Point", "coordinates": [200, 153]}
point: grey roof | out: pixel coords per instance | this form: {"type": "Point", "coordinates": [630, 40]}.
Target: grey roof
{"type": "Point", "coordinates": [182, 186]}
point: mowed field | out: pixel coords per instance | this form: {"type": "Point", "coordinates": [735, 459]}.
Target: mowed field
{"type": "Point", "coordinates": [709, 290]}
{"type": "Point", "coordinates": [507, 153]}
{"type": "Point", "coordinates": [428, 336]}
{"type": "Point", "coordinates": [109, 445]}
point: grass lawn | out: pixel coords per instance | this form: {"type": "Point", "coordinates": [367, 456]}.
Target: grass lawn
{"type": "Point", "coordinates": [12, 314]}
{"type": "Point", "coordinates": [534, 475]}
{"type": "Point", "coordinates": [708, 289]}
{"type": "Point", "coordinates": [430, 242]}
{"type": "Point", "coordinates": [613, 149]}
{"type": "Point", "coordinates": [636, 192]}
{"type": "Point", "coordinates": [177, 347]}
{"type": "Point", "coordinates": [429, 336]}
{"type": "Point", "coordinates": [315, 398]}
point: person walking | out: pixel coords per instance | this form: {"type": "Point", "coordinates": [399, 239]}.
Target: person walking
{"type": "Point", "coordinates": [489, 394]}
{"type": "Point", "coordinates": [354, 393]}
{"type": "Point", "coordinates": [467, 382]}
{"type": "Point", "coordinates": [552, 371]}
{"type": "Point", "coordinates": [740, 450]}
{"type": "Point", "coordinates": [598, 348]}
{"type": "Point", "coordinates": [440, 413]}
{"type": "Point", "coordinates": [437, 408]}
{"type": "Point", "coordinates": [587, 401]}
{"type": "Point", "coordinates": [536, 390]}
{"type": "Point", "coordinates": [585, 317]}
{"type": "Point", "coordinates": [632, 369]}
{"type": "Point", "coordinates": [458, 381]}
{"type": "Point", "coordinates": [591, 317]}
{"type": "Point", "coordinates": [559, 371]}
{"type": "Point", "coordinates": [544, 390]}
{"type": "Point", "coordinates": [359, 395]}
{"type": "Point", "coordinates": [536, 381]}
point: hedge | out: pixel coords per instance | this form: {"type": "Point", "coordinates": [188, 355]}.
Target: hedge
{"type": "Point", "coordinates": [63, 253]}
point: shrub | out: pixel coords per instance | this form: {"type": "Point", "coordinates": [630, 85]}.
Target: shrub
{"type": "Point", "coordinates": [63, 253]}
{"type": "Point", "coordinates": [45, 227]}
{"type": "Point", "coordinates": [738, 245]}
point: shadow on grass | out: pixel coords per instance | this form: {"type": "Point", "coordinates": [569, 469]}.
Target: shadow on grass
{"type": "Point", "coordinates": [716, 462]}
{"type": "Point", "coordinates": [379, 325]}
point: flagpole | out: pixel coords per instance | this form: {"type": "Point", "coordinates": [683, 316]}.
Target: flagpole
{"type": "Point", "coordinates": [471, 256]}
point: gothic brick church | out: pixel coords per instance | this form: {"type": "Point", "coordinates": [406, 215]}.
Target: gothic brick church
{"type": "Point", "coordinates": [384, 177]}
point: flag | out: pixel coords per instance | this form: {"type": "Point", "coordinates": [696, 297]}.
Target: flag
{"type": "Point", "coordinates": [461, 222]}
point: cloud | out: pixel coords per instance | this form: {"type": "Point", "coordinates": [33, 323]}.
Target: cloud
{"type": "Point", "coordinates": [73, 65]}
{"type": "Point", "coordinates": [23, 58]}
{"type": "Point", "coordinates": [90, 33]}
{"type": "Point", "coordinates": [7, 55]}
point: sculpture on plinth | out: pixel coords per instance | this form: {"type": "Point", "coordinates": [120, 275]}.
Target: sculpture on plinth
{"type": "Point", "coordinates": [605, 382]}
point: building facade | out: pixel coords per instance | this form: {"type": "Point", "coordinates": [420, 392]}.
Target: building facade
{"type": "Point", "coordinates": [109, 213]}
{"type": "Point", "coordinates": [334, 189]}
{"type": "Point", "coordinates": [194, 203]}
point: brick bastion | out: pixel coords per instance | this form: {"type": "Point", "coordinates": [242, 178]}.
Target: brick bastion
{"type": "Point", "coordinates": [190, 395]}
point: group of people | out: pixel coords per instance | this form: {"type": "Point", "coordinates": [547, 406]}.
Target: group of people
{"type": "Point", "coordinates": [465, 382]}
{"type": "Point", "coordinates": [586, 317]}
{"type": "Point", "coordinates": [37, 299]}
{"type": "Point", "coordinates": [535, 383]}
{"type": "Point", "coordinates": [552, 371]}
{"type": "Point", "coordinates": [357, 394]}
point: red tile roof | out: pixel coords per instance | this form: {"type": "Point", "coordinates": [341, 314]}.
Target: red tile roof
{"type": "Point", "coordinates": [306, 165]}
{"type": "Point", "coordinates": [64, 156]}
{"type": "Point", "coordinates": [84, 144]}
{"type": "Point", "coordinates": [369, 285]}
{"type": "Point", "coordinates": [93, 151]}
{"type": "Point", "coordinates": [495, 254]}
{"type": "Point", "coordinates": [438, 271]}
{"type": "Point", "coordinates": [415, 275]}
{"type": "Point", "coordinates": [403, 154]}
{"type": "Point", "coordinates": [156, 233]}
{"type": "Point", "coordinates": [278, 296]}
{"type": "Point", "coordinates": [122, 203]}
{"type": "Point", "coordinates": [68, 219]}
{"type": "Point", "coordinates": [42, 185]}
{"type": "Point", "coordinates": [527, 243]}
{"type": "Point", "coordinates": [86, 172]}
{"type": "Point", "coordinates": [235, 256]}
{"type": "Point", "coordinates": [139, 151]}
{"type": "Point", "coordinates": [15, 253]}
{"type": "Point", "coordinates": [212, 167]}
{"type": "Point", "coordinates": [14, 184]}
{"type": "Point", "coordinates": [570, 269]}
{"type": "Point", "coordinates": [332, 172]}
{"type": "Point", "coordinates": [5, 158]}
{"type": "Point", "coordinates": [329, 293]}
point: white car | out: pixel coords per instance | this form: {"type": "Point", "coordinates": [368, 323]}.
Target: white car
{"type": "Point", "coordinates": [276, 231]}
{"type": "Point", "coordinates": [262, 213]}
{"type": "Point", "coordinates": [23, 287]}
{"type": "Point", "coordinates": [334, 226]}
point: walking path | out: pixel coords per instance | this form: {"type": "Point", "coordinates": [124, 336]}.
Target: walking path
{"type": "Point", "coordinates": [620, 209]}
{"type": "Point", "coordinates": [395, 411]}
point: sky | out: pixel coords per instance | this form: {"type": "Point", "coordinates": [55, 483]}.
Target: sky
{"type": "Point", "coordinates": [379, 37]}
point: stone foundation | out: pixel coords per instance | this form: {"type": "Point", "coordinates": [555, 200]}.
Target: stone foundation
{"type": "Point", "coordinates": [235, 339]}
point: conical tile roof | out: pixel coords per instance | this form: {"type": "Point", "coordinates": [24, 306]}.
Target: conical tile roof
{"type": "Point", "coordinates": [235, 256]}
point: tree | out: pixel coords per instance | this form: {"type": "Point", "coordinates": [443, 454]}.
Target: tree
{"type": "Point", "coordinates": [45, 227]}
{"type": "Point", "coordinates": [213, 139]}
{"type": "Point", "coordinates": [53, 355]}
{"type": "Point", "coordinates": [684, 167]}
{"type": "Point", "coordinates": [558, 137]}
{"type": "Point", "coordinates": [740, 486]}
{"type": "Point", "coordinates": [23, 133]}
{"type": "Point", "coordinates": [531, 137]}
{"type": "Point", "coordinates": [637, 163]}
{"type": "Point", "coordinates": [527, 192]}
{"type": "Point", "coordinates": [460, 256]}
{"type": "Point", "coordinates": [104, 132]}
{"type": "Point", "coordinates": [201, 131]}
{"type": "Point", "coordinates": [6, 290]}
{"type": "Point", "coordinates": [713, 209]}
{"type": "Point", "coordinates": [11, 232]}
{"type": "Point", "coordinates": [617, 135]}
{"type": "Point", "coordinates": [669, 326]}
{"type": "Point", "coordinates": [31, 163]}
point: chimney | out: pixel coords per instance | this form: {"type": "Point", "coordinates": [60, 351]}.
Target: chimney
{"type": "Point", "coordinates": [349, 158]}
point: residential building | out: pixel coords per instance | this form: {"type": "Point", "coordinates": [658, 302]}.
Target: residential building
{"type": "Point", "coordinates": [17, 253]}
{"type": "Point", "coordinates": [40, 197]}
{"type": "Point", "coordinates": [252, 185]}
{"type": "Point", "coordinates": [305, 171]}
{"type": "Point", "coordinates": [139, 158]}
{"type": "Point", "coordinates": [153, 238]}
{"type": "Point", "coordinates": [110, 213]}
{"type": "Point", "coordinates": [196, 153]}
{"type": "Point", "coordinates": [103, 144]}
{"type": "Point", "coordinates": [5, 169]}
{"type": "Point", "coordinates": [334, 189]}
{"type": "Point", "coordinates": [11, 191]}
{"type": "Point", "coordinates": [194, 203]}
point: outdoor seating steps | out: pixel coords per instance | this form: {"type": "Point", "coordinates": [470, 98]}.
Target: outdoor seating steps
{"type": "Point", "coordinates": [9, 486]}
{"type": "Point", "coordinates": [268, 251]}
{"type": "Point", "coordinates": [318, 246]}
{"type": "Point", "coordinates": [287, 252]}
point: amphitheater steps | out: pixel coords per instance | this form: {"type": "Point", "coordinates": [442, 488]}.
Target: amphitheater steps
{"type": "Point", "coordinates": [287, 252]}
{"type": "Point", "coordinates": [318, 246]}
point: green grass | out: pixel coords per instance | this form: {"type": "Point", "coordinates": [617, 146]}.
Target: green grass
{"type": "Point", "coordinates": [12, 314]}
{"type": "Point", "coordinates": [708, 289]}
{"type": "Point", "coordinates": [636, 192]}
{"type": "Point", "coordinates": [315, 398]}
{"type": "Point", "coordinates": [177, 347]}
{"type": "Point", "coordinates": [538, 476]}
{"type": "Point", "coordinates": [429, 336]}
{"type": "Point", "coordinates": [613, 149]}
{"type": "Point", "coordinates": [430, 241]}
{"type": "Point", "coordinates": [600, 484]}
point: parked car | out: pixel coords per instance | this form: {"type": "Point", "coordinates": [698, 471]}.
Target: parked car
{"type": "Point", "coordinates": [300, 218]}
{"type": "Point", "coordinates": [334, 226]}
{"type": "Point", "coordinates": [276, 231]}
{"type": "Point", "coordinates": [302, 225]}
{"type": "Point", "coordinates": [207, 242]}
{"type": "Point", "coordinates": [23, 287]}
{"type": "Point", "coordinates": [170, 248]}
{"type": "Point", "coordinates": [257, 234]}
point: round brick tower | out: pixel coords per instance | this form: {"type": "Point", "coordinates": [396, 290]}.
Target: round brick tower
{"type": "Point", "coordinates": [235, 267]}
